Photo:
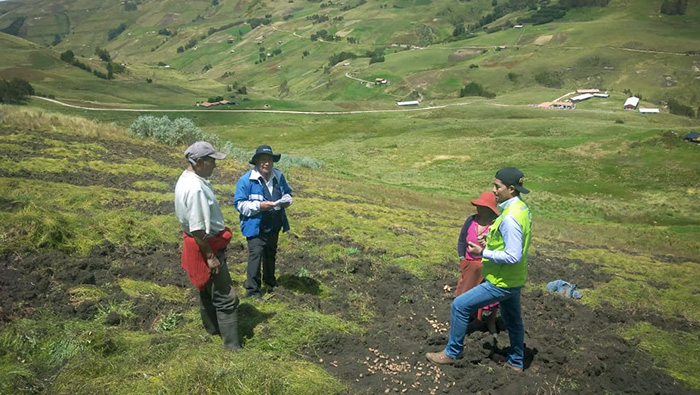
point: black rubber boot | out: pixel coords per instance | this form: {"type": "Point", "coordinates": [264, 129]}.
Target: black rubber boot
{"type": "Point", "coordinates": [228, 327]}
{"type": "Point", "coordinates": [209, 319]}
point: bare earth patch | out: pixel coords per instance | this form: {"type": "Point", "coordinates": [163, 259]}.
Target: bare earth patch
{"type": "Point", "coordinates": [542, 40]}
{"type": "Point", "coordinates": [461, 158]}
{"type": "Point", "coordinates": [463, 54]}
{"type": "Point", "coordinates": [28, 74]}
{"type": "Point", "coordinates": [168, 19]}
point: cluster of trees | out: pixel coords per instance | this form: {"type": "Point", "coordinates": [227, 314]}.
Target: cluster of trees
{"type": "Point", "coordinates": [323, 34]}
{"type": "Point", "coordinates": [678, 108]}
{"type": "Point", "coordinates": [315, 18]}
{"type": "Point", "coordinates": [264, 55]}
{"type": "Point", "coordinates": [69, 57]}
{"type": "Point", "coordinates": [350, 7]}
{"type": "Point", "coordinates": [113, 33]}
{"type": "Point", "coordinates": [475, 89]}
{"type": "Point", "coordinates": [190, 44]}
{"type": "Point", "coordinates": [329, 4]}
{"type": "Point", "coordinates": [213, 30]}
{"type": "Point", "coordinates": [674, 7]}
{"type": "Point", "coordinates": [103, 54]}
{"type": "Point", "coordinates": [544, 11]}
{"type": "Point", "coordinates": [339, 57]}
{"type": "Point", "coordinates": [550, 79]}
{"type": "Point", "coordinates": [240, 89]}
{"type": "Point", "coordinates": [15, 91]}
{"type": "Point", "coordinates": [568, 4]}
{"type": "Point", "coordinates": [376, 56]}
{"type": "Point", "coordinates": [130, 6]}
{"type": "Point", "coordinates": [545, 15]}
{"type": "Point", "coordinates": [15, 26]}
{"type": "Point", "coordinates": [255, 22]}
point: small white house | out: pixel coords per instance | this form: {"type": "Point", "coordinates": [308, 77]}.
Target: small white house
{"type": "Point", "coordinates": [631, 103]}
{"type": "Point", "coordinates": [407, 103]}
{"type": "Point", "coordinates": [583, 97]}
{"type": "Point", "coordinates": [603, 95]}
{"type": "Point", "coordinates": [643, 110]}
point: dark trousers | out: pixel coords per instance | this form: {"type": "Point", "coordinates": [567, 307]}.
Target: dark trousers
{"type": "Point", "coordinates": [219, 301]}
{"type": "Point", "coordinates": [262, 251]}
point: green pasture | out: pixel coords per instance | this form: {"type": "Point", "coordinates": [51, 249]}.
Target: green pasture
{"type": "Point", "coordinates": [392, 182]}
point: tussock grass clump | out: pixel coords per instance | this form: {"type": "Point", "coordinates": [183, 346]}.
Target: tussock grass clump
{"type": "Point", "coordinates": [72, 219]}
{"type": "Point", "coordinates": [32, 347]}
{"type": "Point", "coordinates": [85, 293]}
{"type": "Point", "coordinates": [209, 369]}
{"type": "Point", "coordinates": [176, 359]}
{"type": "Point", "coordinates": [147, 289]}
{"type": "Point", "coordinates": [288, 330]}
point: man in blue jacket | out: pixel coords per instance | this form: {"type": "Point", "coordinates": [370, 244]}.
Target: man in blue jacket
{"type": "Point", "coordinates": [262, 194]}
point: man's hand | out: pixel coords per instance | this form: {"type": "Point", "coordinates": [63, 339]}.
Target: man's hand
{"type": "Point", "coordinates": [474, 249]}
{"type": "Point", "coordinates": [267, 205]}
{"type": "Point", "coordinates": [213, 263]}
{"type": "Point", "coordinates": [482, 240]}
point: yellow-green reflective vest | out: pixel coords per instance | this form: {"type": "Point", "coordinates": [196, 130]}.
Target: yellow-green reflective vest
{"type": "Point", "coordinates": [506, 275]}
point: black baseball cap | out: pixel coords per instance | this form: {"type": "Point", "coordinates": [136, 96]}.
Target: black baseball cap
{"type": "Point", "coordinates": [512, 176]}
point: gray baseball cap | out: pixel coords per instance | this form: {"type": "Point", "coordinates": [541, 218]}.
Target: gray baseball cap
{"type": "Point", "coordinates": [201, 149]}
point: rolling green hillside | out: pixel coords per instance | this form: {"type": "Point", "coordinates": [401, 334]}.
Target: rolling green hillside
{"type": "Point", "coordinates": [210, 50]}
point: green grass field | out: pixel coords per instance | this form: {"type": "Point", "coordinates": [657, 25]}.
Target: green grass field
{"type": "Point", "coordinates": [618, 187]}
{"type": "Point", "coordinates": [406, 172]}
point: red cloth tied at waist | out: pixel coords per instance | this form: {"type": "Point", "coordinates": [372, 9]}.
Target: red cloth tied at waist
{"type": "Point", "coordinates": [193, 261]}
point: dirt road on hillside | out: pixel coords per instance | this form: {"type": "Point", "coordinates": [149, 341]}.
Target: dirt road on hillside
{"type": "Point", "coordinates": [252, 110]}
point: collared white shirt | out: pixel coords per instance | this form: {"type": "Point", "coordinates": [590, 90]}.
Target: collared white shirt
{"type": "Point", "coordinates": [196, 207]}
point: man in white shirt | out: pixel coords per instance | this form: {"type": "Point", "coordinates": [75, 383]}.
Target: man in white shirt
{"type": "Point", "coordinates": [204, 243]}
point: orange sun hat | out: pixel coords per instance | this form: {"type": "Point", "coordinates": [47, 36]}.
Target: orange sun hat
{"type": "Point", "coordinates": [487, 199]}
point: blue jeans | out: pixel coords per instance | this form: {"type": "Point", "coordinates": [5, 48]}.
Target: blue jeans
{"type": "Point", "coordinates": [481, 295]}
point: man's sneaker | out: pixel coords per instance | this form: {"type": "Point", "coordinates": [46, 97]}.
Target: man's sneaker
{"type": "Point", "coordinates": [439, 358]}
